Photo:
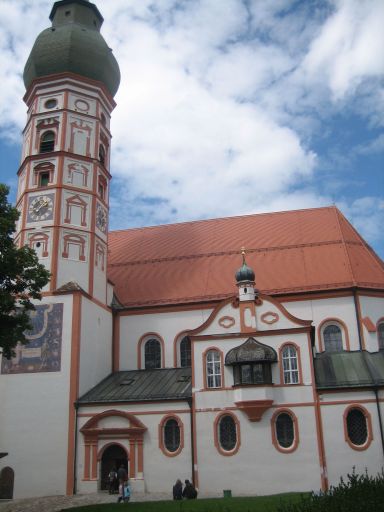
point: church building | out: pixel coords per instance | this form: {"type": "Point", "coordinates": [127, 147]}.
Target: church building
{"type": "Point", "coordinates": [242, 353]}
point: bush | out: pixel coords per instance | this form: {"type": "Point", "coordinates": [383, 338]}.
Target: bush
{"type": "Point", "coordinates": [360, 493]}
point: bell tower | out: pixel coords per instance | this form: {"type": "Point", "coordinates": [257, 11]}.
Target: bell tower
{"type": "Point", "coordinates": [71, 77]}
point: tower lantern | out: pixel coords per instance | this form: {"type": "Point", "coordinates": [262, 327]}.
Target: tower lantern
{"type": "Point", "coordinates": [245, 279]}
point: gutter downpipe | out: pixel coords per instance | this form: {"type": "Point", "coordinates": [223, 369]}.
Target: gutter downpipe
{"type": "Point", "coordinates": [376, 388]}
{"type": "Point", "coordinates": [76, 405]}
{"type": "Point", "coordinates": [318, 418]}
{"type": "Point", "coordinates": [189, 400]}
{"type": "Point", "coordinates": [376, 391]}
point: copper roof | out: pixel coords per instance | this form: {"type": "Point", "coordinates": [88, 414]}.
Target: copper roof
{"type": "Point", "coordinates": [141, 385]}
{"type": "Point", "coordinates": [290, 252]}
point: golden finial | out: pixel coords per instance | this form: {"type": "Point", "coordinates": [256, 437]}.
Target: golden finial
{"type": "Point", "coordinates": [243, 254]}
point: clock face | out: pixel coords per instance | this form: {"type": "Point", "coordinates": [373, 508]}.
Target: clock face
{"type": "Point", "coordinates": [40, 208]}
{"type": "Point", "coordinates": [101, 218]}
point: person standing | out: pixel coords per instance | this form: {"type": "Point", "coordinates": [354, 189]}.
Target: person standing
{"type": "Point", "coordinates": [112, 480]}
{"type": "Point", "coordinates": [189, 491]}
{"type": "Point", "coordinates": [178, 490]}
{"type": "Point", "coordinates": [122, 474]}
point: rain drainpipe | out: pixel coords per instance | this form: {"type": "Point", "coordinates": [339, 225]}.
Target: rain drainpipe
{"type": "Point", "coordinates": [376, 391]}
{"type": "Point", "coordinates": [76, 405]}
{"type": "Point", "coordinates": [189, 400]}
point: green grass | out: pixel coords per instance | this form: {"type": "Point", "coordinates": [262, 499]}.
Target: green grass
{"type": "Point", "coordinates": [254, 504]}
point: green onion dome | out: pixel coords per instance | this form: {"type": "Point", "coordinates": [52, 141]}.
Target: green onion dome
{"type": "Point", "coordinates": [244, 273]}
{"type": "Point", "coordinates": [73, 44]}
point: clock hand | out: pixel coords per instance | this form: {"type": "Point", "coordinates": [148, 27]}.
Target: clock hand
{"type": "Point", "coordinates": [42, 203]}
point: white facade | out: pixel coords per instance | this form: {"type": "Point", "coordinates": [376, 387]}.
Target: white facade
{"type": "Point", "coordinates": [260, 389]}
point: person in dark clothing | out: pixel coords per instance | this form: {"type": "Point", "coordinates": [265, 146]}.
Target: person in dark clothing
{"type": "Point", "coordinates": [122, 475]}
{"type": "Point", "coordinates": [189, 491]}
{"type": "Point", "coordinates": [112, 480]}
{"type": "Point", "coordinates": [178, 490]}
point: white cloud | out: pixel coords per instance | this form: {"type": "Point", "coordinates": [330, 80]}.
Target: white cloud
{"type": "Point", "coordinates": [367, 215]}
{"type": "Point", "coordinates": [349, 47]}
{"type": "Point", "coordinates": [219, 101]}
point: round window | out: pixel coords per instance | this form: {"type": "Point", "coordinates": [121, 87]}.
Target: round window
{"type": "Point", "coordinates": [50, 103]}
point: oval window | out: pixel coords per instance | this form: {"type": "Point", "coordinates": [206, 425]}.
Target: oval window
{"type": "Point", "coordinates": [285, 431]}
{"type": "Point", "coordinates": [171, 435]}
{"type": "Point", "coordinates": [50, 103]}
{"type": "Point", "coordinates": [357, 427]}
{"type": "Point", "coordinates": [227, 433]}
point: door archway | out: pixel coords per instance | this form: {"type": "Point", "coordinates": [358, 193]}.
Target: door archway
{"type": "Point", "coordinates": [113, 456]}
{"type": "Point", "coordinates": [7, 477]}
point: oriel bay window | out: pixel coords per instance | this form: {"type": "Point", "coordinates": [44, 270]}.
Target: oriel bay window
{"type": "Point", "coordinates": [251, 363]}
{"type": "Point", "coordinates": [252, 373]}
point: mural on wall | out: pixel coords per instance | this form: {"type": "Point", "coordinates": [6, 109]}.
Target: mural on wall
{"type": "Point", "coordinates": [43, 352]}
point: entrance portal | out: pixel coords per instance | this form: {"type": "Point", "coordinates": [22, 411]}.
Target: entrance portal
{"type": "Point", "coordinates": [113, 457]}
{"type": "Point", "coordinates": [7, 477]}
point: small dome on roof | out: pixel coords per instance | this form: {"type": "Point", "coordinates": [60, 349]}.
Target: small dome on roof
{"type": "Point", "coordinates": [73, 44]}
{"type": "Point", "coordinates": [244, 273]}
{"type": "Point", "coordinates": [251, 351]}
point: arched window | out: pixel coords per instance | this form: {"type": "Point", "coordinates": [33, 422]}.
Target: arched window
{"type": "Point", "coordinates": [47, 142]}
{"type": "Point", "coordinates": [227, 433]}
{"type": "Point", "coordinates": [152, 354]}
{"type": "Point", "coordinates": [213, 369]}
{"type": "Point", "coordinates": [290, 365]}
{"type": "Point", "coordinates": [185, 352]}
{"type": "Point", "coordinates": [171, 434]}
{"type": "Point", "coordinates": [357, 428]}
{"type": "Point", "coordinates": [380, 335]}
{"type": "Point", "coordinates": [285, 430]}
{"type": "Point", "coordinates": [101, 154]}
{"type": "Point", "coordinates": [332, 338]}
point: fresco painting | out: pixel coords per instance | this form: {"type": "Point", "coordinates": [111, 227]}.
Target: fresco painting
{"type": "Point", "coordinates": [43, 352]}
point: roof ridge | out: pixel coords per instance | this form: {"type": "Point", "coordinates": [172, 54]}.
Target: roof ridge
{"type": "Point", "coordinates": [337, 214]}
{"type": "Point", "coordinates": [229, 217]}
{"type": "Point", "coordinates": [223, 253]}
{"type": "Point", "coordinates": [371, 252]}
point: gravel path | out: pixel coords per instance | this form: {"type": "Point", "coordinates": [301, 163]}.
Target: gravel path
{"type": "Point", "coordinates": [57, 503]}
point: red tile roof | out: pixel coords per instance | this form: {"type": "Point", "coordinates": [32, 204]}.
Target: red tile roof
{"type": "Point", "coordinates": [290, 252]}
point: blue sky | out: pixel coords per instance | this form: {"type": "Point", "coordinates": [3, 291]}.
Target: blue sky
{"type": "Point", "coordinates": [229, 107]}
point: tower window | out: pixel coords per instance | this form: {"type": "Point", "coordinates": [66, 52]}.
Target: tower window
{"type": "Point", "coordinates": [47, 142]}
{"type": "Point", "coordinates": [67, 13]}
{"type": "Point", "coordinates": [101, 154]}
{"type": "Point", "coordinates": [50, 103]}
{"type": "Point", "coordinates": [43, 179]}
{"type": "Point", "coordinates": [101, 187]}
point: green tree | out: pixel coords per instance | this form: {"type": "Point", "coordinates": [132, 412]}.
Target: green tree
{"type": "Point", "coordinates": [21, 279]}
